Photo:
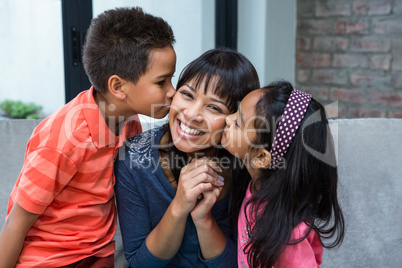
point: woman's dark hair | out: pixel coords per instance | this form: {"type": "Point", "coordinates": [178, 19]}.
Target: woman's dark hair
{"type": "Point", "coordinates": [120, 41]}
{"type": "Point", "coordinates": [304, 190]}
{"type": "Point", "coordinates": [231, 75]}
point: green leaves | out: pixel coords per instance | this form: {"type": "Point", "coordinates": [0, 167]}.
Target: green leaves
{"type": "Point", "coordinates": [20, 110]}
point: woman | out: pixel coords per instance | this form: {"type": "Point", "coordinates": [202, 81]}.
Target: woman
{"type": "Point", "coordinates": [178, 217]}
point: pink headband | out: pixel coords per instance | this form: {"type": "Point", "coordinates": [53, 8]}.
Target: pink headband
{"type": "Point", "coordinates": [293, 114]}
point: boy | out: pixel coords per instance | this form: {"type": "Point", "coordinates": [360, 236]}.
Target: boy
{"type": "Point", "coordinates": [61, 211]}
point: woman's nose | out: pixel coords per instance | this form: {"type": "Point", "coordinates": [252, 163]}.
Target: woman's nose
{"type": "Point", "coordinates": [194, 113]}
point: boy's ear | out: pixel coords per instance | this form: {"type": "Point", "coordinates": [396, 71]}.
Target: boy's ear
{"type": "Point", "coordinates": [115, 87]}
{"type": "Point", "coordinates": [262, 158]}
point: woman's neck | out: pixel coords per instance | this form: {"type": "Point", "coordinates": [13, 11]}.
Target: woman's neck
{"type": "Point", "coordinates": [209, 153]}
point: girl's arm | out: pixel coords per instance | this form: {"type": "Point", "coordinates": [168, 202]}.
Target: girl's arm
{"type": "Point", "coordinates": [12, 236]}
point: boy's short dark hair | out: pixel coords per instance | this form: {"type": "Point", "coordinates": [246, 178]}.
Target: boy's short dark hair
{"type": "Point", "coordinates": [119, 42]}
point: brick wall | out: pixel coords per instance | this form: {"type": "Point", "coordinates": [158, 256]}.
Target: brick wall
{"type": "Point", "coordinates": [351, 51]}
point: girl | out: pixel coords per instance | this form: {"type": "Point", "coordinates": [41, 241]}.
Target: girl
{"type": "Point", "coordinates": [290, 205]}
{"type": "Point", "coordinates": [178, 217]}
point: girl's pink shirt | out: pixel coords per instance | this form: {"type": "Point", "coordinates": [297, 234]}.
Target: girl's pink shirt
{"type": "Point", "coordinates": [306, 254]}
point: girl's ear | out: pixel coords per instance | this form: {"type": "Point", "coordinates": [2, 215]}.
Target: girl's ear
{"type": "Point", "coordinates": [262, 158]}
{"type": "Point", "coordinates": [115, 87]}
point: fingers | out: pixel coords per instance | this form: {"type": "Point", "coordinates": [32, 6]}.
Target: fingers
{"type": "Point", "coordinates": [203, 174]}
{"type": "Point", "coordinates": [202, 170]}
{"type": "Point", "coordinates": [196, 163]}
{"type": "Point", "coordinates": [197, 179]}
{"type": "Point", "coordinates": [210, 194]}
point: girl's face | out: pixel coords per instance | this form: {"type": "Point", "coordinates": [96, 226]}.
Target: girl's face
{"type": "Point", "coordinates": [239, 133]}
{"type": "Point", "coordinates": [196, 119]}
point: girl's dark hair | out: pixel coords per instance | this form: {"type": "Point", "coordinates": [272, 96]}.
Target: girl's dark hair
{"type": "Point", "coordinates": [231, 75]}
{"type": "Point", "coordinates": [304, 190]}
{"type": "Point", "coordinates": [120, 41]}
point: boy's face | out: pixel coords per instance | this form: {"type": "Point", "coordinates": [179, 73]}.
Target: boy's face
{"type": "Point", "coordinates": [152, 94]}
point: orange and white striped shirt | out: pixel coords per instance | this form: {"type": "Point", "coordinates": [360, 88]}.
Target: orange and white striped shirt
{"type": "Point", "coordinates": [68, 179]}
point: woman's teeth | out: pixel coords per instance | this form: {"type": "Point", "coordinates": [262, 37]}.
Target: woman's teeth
{"type": "Point", "coordinates": [189, 131]}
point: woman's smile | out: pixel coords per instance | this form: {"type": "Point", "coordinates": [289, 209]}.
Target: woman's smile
{"type": "Point", "coordinates": [187, 131]}
{"type": "Point", "coordinates": [196, 118]}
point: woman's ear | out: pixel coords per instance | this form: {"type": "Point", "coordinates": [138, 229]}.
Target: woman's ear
{"type": "Point", "coordinates": [115, 86]}
{"type": "Point", "coordinates": [262, 158]}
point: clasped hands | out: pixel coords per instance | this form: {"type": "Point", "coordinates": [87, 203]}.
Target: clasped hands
{"type": "Point", "coordinates": [199, 187]}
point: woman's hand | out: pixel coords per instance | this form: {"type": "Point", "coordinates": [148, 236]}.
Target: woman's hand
{"type": "Point", "coordinates": [212, 239]}
{"type": "Point", "coordinates": [198, 177]}
{"type": "Point", "coordinates": [201, 214]}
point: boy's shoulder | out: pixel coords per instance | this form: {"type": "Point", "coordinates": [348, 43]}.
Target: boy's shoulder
{"type": "Point", "coordinates": [69, 125]}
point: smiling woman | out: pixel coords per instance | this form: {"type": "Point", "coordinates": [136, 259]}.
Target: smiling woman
{"type": "Point", "coordinates": [172, 214]}
{"type": "Point", "coordinates": [197, 118]}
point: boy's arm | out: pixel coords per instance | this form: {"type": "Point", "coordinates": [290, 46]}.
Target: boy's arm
{"type": "Point", "coordinates": [12, 236]}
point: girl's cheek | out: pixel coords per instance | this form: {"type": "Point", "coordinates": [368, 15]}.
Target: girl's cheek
{"type": "Point", "coordinates": [218, 122]}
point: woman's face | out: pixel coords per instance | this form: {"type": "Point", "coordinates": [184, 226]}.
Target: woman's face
{"type": "Point", "coordinates": [196, 119]}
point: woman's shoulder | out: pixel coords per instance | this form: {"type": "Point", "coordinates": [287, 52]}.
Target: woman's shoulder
{"type": "Point", "coordinates": [145, 139]}
{"type": "Point", "coordinates": [142, 147]}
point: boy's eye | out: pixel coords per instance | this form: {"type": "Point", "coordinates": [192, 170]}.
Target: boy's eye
{"type": "Point", "coordinates": [236, 123]}
{"type": "Point", "coordinates": [161, 83]}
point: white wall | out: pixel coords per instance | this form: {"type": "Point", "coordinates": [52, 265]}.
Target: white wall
{"type": "Point", "coordinates": [281, 19]}
{"type": "Point", "coordinates": [267, 34]}
{"type": "Point", "coordinates": [251, 33]}
{"type": "Point", "coordinates": [31, 52]}
{"type": "Point", "coordinates": [192, 21]}
{"type": "Point", "coordinates": [31, 45]}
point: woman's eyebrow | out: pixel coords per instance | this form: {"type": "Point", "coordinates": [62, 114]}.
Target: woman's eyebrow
{"type": "Point", "coordinates": [217, 100]}
{"type": "Point", "coordinates": [191, 88]}
{"type": "Point", "coordinates": [212, 99]}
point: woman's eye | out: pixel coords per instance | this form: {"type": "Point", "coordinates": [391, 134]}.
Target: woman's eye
{"type": "Point", "coordinates": [236, 123]}
{"type": "Point", "coordinates": [186, 94]}
{"type": "Point", "coordinates": [215, 108]}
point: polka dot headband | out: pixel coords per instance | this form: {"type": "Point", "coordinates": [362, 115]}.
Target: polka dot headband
{"type": "Point", "coordinates": [292, 116]}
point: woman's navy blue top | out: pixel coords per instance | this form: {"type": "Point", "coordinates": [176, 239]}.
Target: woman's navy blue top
{"type": "Point", "coordinates": [143, 194]}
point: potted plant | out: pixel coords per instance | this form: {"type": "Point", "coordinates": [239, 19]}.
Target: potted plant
{"type": "Point", "coordinates": [20, 110]}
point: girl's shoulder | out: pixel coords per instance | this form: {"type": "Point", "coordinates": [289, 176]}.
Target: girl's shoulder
{"type": "Point", "coordinates": [306, 253]}
{"type": "Point", "coordinates": [301, 230]}
{"type": "Point", "coordinates": [313, 238]}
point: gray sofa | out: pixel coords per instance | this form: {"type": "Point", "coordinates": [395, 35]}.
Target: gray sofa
{"type": "Point", "coordinates": [370, 190]}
